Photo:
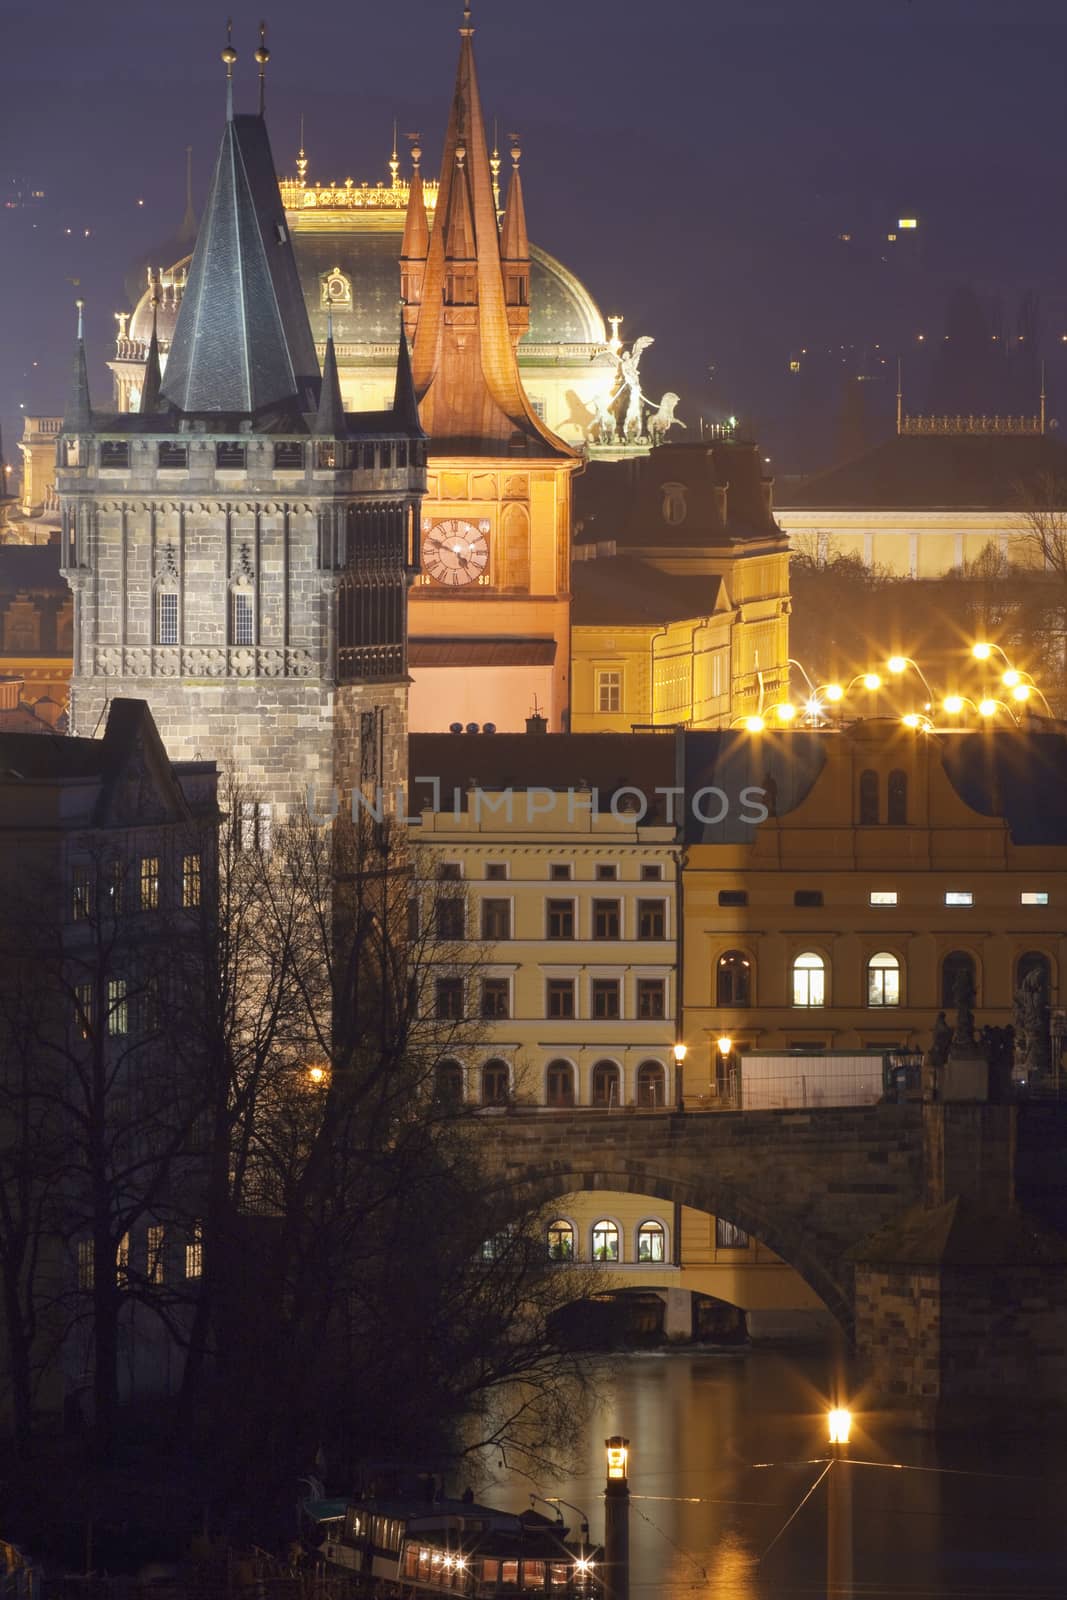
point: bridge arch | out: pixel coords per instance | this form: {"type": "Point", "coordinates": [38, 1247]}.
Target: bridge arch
{"type": "Point", "coordinates": [830, 1279]}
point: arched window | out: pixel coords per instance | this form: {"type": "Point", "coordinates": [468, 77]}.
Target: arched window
{"type": "Point", "coordinates": [898, 798]}
{"type": "Point", "coordinates": [166, 614]}
{"type": "Point", "coordinates": [883, 980]}
{"type": "Point", "coordinates": [809, 980]}
{"type": "Point", "coordinates": [605, 1241]}
{"type": "Point", "coordinates": [494, 1083]}
{"type": "Point", "coordinates": [651, 1242]}
{"type": "Point", "coordinates": [956, 966]}
{"type": "Point", "coordinates": [560, 1083]}
{"type": "Point", "coordinates": [606, 1086]}
{"type": "Point", "coordinates": [1034, 961]}
{"type": "Point", "coordinates": [733, 979]}
{"type": "Point", "coordinates": [448, 1082]}
{"type": "Point", "coordinates": [651, 1088]}
{"type": "Point", "coordinates": [560, 1240]}
{"type": "Point", "coordinates": [868, 799]}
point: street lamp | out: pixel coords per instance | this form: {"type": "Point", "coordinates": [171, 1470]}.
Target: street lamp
{"type": "Point", "coordinates": [725, 1047]}
{"type": "Point", "coordinates": [839, 1506]}
{"type": "Point", "coordinates": [900, 664]}
{"type": "Point", "coordinates": [617, 1519]}
{"type": "Point", "coordinates": [839, 1423]}
{"type": "Point", "coordinates": [680, 1052]}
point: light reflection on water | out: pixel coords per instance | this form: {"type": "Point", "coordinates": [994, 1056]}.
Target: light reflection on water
{"type": "Point", "coordinates": [991, 1522]}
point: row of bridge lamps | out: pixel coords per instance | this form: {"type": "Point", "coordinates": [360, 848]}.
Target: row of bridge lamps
{"type": "Point", "coordinates": [614, 1575]}
{"type": "Point", "coordinates": [824, 702]}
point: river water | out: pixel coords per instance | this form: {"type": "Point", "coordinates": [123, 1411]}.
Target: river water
{"type": "Point", "coordinates": [724, 1447]}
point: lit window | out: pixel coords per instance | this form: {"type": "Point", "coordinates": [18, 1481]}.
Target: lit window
{"type": "Point", "coordinates": [80, 889]}
{"type": "Point", "coordinates": [651, 1242]}
{"type": "Point", "coordinates": [115, 879]}
{"type": "Point", "coordinates": [149, 883]}
{"type": "Point", "coordinates": [605, 1241]}
{"type": "Point", "coordinates": [959, 897]}
{"type": "Point", "coordinates": [194, 1253]}
{"type": "Point", "coordinates": [728, 1236]}
{"type": "Point", "coordinates": [155, 1254]}
{"type": "Point", "coordinates": [83, 1008]}
{"type": "Point", "coordinates": [733, 985]}
{"type": "Point", "coordinates": [122, 1259]}
{"type": "Point", "coordinates": [882, 897]}
{"type": "Point", "coordinates": [560, 1241]}
{"type": "Point", "coordinates": [255, 826]}
{"type": "Point", "coordinates": [190, 881]}
{"type": "Point", "coordinates": [166, 616]}
{"type": "Point", "coordinates": [609, 691]}
{"type": "Point", "coordinates": [86, 1264]}
{"type": "Point", "coordinates": [1034, 897]}
{"type": "Point", "coordinates": [118, 1008]}
{"type": "Point", "coordinates": [883, 980]}
{"type": "Point", "coordinates": [242, 630]}
{"type": "Point", "coordinates": [809, 980]}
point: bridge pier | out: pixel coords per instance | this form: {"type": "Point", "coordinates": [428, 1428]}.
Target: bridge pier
{"type": "Point", "coordinates": [677, 1315]}
{"type": "Point", "coordinates": [961, 1302]}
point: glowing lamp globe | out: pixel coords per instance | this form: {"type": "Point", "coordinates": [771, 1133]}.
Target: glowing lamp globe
{"type": "Point", "coordinates": [618, 1455]}
{"type": "Point", "coordinates": [834, 692]}
{"type": "Point", "coordinates": [785, 712]}
{"type": "Point", "coordinates": [754, 724]}
{"type": "Point", "coordinates": [840, 1424]}
{"type": "Point", "coordinates": [987, 708]}
{"type": "Point", "coordinates": [1021, 691]}
{"type": "Point", "coordinates": [1012, 677]}
{"type": "Point", "coordinates": [912, 720]}
{"type": "Point", "coordinates": [871, 680]}
{"type": "Point", "coordinates": [982, 652]}
{"type": "Point", "coordinates": [725, 1045]}
{"type": "Point", "coordinates": [896, 663]}
{"type": "Point", "coordinates": [953, 704]}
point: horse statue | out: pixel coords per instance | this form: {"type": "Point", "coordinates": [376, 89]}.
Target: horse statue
{"type": "Point", "coordinates": [662, 419]}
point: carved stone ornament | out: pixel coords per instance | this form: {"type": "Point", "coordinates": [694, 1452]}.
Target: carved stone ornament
{"type": "Point", "coordinates": [109, 660]}
{"type": "Point", "coordinates": [244, 568]}
{"type": "Point", "coordinates": [673, 506]}
{"type": "Point", "coordinates": [300, 664]}
{"type": "Point", "coordinates": [335, 288]}
{"type": "Point", "coordinates": [168, 661]}
{"type": "Point", "coordinates": [138, 663]}
{"type": "Point", "coordinates": [167, 563]}
{"type": "Point", "coordinates": [242, 663]}
{"type": "Point", "coordinates": [272, 663]}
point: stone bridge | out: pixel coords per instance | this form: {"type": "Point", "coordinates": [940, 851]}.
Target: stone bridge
{"type": "Point", "coordinates": [935, 1233]}
{"type": "Point", "coordinates": [809, 1184]}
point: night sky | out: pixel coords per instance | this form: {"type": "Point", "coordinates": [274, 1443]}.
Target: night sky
{"type": "Point", "coordinates": [693, 161]}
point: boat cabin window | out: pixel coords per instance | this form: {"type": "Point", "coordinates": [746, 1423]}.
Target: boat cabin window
{"type": "Point", "coordinates": [509, 1573]}
{"type": "Point", "coordinates": [533, 1574]}
{"type": "Point", "coordinates": [559, 1574]}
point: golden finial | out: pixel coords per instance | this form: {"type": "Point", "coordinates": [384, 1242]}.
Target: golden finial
{"type": "Point", "coordinates": [494, 167]}
{"type": "Point", "coordinates": [301, 160]}
{"type": "Point", "coordinates": [394, 160]}
{"type": "Point", "coordinates": [516, 151]}
{"type": "Point", "coordinates": [467, 27]}
{"type": "Point", "coordinates": [615, 343]}
{"type": "Point", "coordinates": [262, 56]}
{"type": "Point", "coordinates": [461, 155]}
{"type": "Point", "coordinates": [416, 149]}
{"type": "Point", "coordinates": [229, 56]}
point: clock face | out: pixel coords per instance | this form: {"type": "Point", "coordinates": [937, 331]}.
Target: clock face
{"type": "Point", "coordinates": [454, 551]}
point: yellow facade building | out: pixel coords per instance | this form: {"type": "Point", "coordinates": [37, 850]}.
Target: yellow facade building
{"type": "Point", "coordinates": [680, 609]}
{"type": "Point", "coordinates": [890, 863]}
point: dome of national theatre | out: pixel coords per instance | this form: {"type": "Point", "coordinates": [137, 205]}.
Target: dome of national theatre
{"type": "Point", "coordinates": [562, 311]}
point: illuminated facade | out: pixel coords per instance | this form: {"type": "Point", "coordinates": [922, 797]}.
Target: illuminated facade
{"type": "Point", "coordinates": [891, 862]}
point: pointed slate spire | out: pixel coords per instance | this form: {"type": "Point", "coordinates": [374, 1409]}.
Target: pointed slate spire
{"type": "Point", "coordinates": [78, 416]}
{"type": "Point", "coordinates": [152, 374]}
{"type": "Point", "coordinates": [405, 400]}
{"type": "Point", "coordinates": [242, 341]}
{"type": "Point", "coordinates": [330, 418]}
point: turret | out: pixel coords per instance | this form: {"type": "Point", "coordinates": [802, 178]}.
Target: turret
{"type": "Point", "coordinates": [515, 253]}
{"type": "Point", "coordinates": [461, 251]}
{"type": "Point", "coordinates": [415, 247]}
{"type": "Point", "coordinates": [152, 374]}
{"type": "Point", "coordinates": [78, 414]}
{"type": "Point", "coordinates": [329, 420]}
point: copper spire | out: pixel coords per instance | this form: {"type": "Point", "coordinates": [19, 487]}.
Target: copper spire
{"type": "Point", "coordinates": [464, 365]}
{"type": "Point", "coordinates": [416, 243]}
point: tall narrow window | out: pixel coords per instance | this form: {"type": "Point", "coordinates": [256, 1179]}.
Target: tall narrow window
{"type": "Point", "coordinates": [86, 1264]}
{"type": "Point", "coordinates": [448, 1082]}
{"type": "Point", "coordinates": [451, 918]}
{"type": "Point", "coordinates": [494, 1083]}
{"type": "Point", "coordinates": [809, 980]}
{"type": "Point", "coordinates": [155, 1254]}
{"type": "Point", "coordinates": [242, 622]}
{"type": "Point", "coordinates": [166, 616]}
{"type": "Point", "coordinates": [122, 1260]}
{"type": "Point", "coordinates": [868, 799]}
{"type": "Point", "coordinates": [609, 691]}
{"type": "Point", "coordinates": [1034, 961]}
{"type": "Point", "coordinates": [80, 891]}
{"type": "Point", "coordinates": [560, 1083]}
{"type": "Point", "coordinates": [605, 1241]}
{"type": "Point", "coordinates": [118, 1008]}
{"type": "Point", "coordinates": [194, 1253]}
{"type": "Point", "coordinates": [733, 979]}
{"type": "Point", "coordinates": [957, 968]}
{"type": "Point", "coordinates": [883, 980]}
{"type": "Point", "coordinates": [190, 881]}
{"type": "Point", "coordinates": [898, 798]}
{"type": "Point", "coordinates": [606, 1091]}
{"type": "Point", "coordinates": [651, 1084]}
{"type": "Point", "coordinates": [149, 883]}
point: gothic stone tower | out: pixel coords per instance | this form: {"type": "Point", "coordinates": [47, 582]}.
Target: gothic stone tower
{"type": "Point", "coordinates": [240, 549]}
{"type": "Point", "coordinates": [490, 612]}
